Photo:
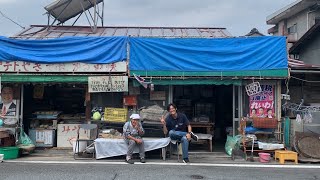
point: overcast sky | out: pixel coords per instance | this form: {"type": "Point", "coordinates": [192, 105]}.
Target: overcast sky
{"type": "Point", "coordinates": [238, 16]}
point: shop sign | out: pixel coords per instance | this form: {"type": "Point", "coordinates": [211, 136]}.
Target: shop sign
{"type": "Point", "coordinates": [158, 96]}
{"type": "Point", "coordinates": [67, 134]}
{"type": "Point", "coordinates": [77, 67]}
{"type": "Point", "coordinates": [130, 100]}
{"type": "Point", "coordinates": [108, 84]}
{"type": "Point", "coordinates": [262, 104]}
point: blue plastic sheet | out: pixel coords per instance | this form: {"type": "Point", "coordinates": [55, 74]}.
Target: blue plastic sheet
{"type": "Point", "coordinates": [199, 54]}
{"type": "Point", "coordinates": [252, 130]}
{"type": "Point", "coordinates": [101, 50]}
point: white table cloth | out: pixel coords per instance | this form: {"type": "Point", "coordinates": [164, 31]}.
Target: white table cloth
{"type": "Point", "coordinates": [117, 147]}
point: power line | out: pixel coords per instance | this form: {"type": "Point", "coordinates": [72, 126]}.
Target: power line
{"type": "Point", "coordinates": [11, 20]}
{"type": "Point", "coordinates": [304, 80]}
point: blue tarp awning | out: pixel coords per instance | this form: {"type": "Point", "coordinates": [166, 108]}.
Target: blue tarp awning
{"type": "Point", "coordinates": [208, 55]}
{"type": "Point", "coordinates": [245, 56]}
{"type": "Point", "coordinates": [100, 50]}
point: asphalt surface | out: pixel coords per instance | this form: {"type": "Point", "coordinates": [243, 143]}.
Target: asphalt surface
{"type": "Point", "coordinates": [59, 164]}
{"type": "Point", "coordinates": [35, 171]}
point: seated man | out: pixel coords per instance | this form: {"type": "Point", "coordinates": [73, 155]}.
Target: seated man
{"type": "Point", "coordinates": [179, 129]}
{"type": "Point", "coordinates": [132, 132]}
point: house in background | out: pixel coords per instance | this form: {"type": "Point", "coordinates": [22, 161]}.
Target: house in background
{"type": "Point", "coordinates": [307, 48]}
{"type": "Point", "coordinates": [294, 20]}
{"type": "Point", "coordinates": [300, 23]}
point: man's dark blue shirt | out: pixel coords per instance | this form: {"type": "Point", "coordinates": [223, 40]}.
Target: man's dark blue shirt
{"type": "Point", "coordinates": [179, 124]}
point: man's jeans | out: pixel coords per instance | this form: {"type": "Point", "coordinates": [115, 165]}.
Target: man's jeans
{"type": "Point", "coordinates": [181, 136]}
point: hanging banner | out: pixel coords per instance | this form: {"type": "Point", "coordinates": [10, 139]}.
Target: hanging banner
{"type": "Point", "coordinates": [262, 104]}
{"type": "Point", "coordinates": [108, 84]}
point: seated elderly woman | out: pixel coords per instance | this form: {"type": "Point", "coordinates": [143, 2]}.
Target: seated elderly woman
{"type": "Point", "coordinates": [132, 132]}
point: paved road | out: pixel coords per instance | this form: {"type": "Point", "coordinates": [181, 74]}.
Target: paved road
{"type": "Point", "coordinates": [35, 171]}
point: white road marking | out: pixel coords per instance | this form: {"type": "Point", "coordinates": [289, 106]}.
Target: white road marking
{"type": "Point", "coordinates": [172, 164]}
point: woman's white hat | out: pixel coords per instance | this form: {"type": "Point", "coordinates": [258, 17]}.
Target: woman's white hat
{"type": "Point", "coordinates": [135, 116]}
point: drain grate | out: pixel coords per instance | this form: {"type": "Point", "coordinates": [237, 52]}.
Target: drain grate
{"type": "Point", "coordinates": [196, 177]}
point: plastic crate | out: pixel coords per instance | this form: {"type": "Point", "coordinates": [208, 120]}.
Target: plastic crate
{"type": "Point", "coordinates": [9, 152]}
{"type": "Point", "coordinates": [115, 114]}
{"type": "Point", "coordinates": [265, 123]}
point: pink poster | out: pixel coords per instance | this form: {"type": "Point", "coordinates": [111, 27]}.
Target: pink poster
{"type": "Point", "coordinates": [262, 104]}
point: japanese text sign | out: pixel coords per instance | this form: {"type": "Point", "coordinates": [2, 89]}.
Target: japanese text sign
{"type": "Point", "coordinates": [25, 67]}
{"type": "Point", "coordinates": [108, 84]}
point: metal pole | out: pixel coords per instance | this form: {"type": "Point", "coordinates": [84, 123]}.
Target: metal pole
{"type": "Point", "coordinates": [21, 107]}
{"type": "Point", "coordinates": [95, 16]}
{"type": "Point", "coordinates": [102, 13]}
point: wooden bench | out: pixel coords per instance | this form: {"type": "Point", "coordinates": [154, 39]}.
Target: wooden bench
{"type": "Point", "coordinates": [207, 137]}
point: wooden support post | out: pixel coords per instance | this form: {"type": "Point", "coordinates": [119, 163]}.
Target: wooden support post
{"type": "Point", "coordinates": [88, 105]}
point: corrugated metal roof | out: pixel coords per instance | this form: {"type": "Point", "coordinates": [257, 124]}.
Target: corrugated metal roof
{"type": "Point", "coordinates": [41, 32]}
{"type": "Point", "coordinates": [296, 64]}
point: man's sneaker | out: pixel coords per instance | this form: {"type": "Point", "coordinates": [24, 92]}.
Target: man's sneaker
{"type": "Point", "coordinates": [193, 136]}
{"type": "Point", "coordinates": [129, 161]}
{"type": "Point", "coordinates": [143, 160]}
{"type": "Point", "coordinates": [186, 160]}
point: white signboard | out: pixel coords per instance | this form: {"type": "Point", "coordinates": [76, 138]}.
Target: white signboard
{"type": "Point", "coordinates": [67, 134]}
{"type": "Point", "coordinates": [24, 67]}
{"type": "Point", "coordinates": [108, 84]}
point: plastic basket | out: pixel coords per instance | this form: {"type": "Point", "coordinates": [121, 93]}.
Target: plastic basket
{"type": "Point", "coordinates": [271, 123]}
{"type": "Point", "coordinates": [264, 157]}
{"type": "Point", "coordinates": [115, 114]}
{"type": "Point", "coordinates": [9, 152]}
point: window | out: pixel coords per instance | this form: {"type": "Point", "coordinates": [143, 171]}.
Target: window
{"type": "Point", "coordinates": [292, 29]}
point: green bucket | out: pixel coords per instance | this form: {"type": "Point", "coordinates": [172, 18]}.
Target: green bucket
{"type": "Point", "coordinates": [9, 152]}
